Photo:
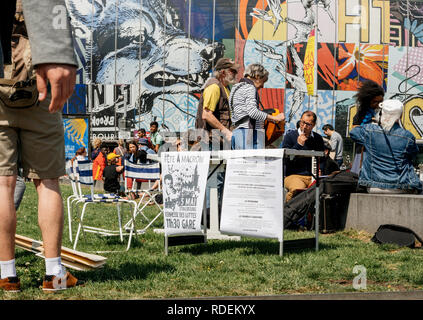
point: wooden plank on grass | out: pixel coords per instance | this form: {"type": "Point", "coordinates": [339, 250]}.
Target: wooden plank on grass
{"type": "Point", "coordinates": [73, 258]}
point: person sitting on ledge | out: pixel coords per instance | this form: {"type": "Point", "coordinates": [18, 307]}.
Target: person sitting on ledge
{"type": "Point", "coordinates": [387, 164]}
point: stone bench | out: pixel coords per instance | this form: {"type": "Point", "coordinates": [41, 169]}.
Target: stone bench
{"type": "Point", "coordinates": [368, 211]}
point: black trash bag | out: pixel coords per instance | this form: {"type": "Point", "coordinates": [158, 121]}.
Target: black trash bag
{"type": "Point", "coordinates": [395, 234]}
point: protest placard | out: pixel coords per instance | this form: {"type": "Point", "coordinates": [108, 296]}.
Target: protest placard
{"type": "Point", "coordinates": [252, 198]}
{"type": "Point", "coordinates": [184, 177]}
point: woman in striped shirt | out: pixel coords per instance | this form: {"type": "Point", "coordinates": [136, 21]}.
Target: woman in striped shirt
{"type": "Point", "coordinates": [246, 116]}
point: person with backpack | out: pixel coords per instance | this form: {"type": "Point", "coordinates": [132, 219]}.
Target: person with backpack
{"type": "Point", "coordinates": [213, 113]}
{"type": "Point", "coordinates": [213, 108]}
{"type": "Point", "coordinates": [246, 115]}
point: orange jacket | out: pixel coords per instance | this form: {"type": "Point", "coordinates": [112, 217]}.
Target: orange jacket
{"type": "Point", "coordinates": [99, 164]}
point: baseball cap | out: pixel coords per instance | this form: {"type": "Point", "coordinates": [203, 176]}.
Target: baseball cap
{"type": "Point", "coordinates": [226, 63]}
{"type": "Point", "coordinates": [112, 156]}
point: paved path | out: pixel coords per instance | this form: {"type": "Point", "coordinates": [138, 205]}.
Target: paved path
{"type": "Point", "coordinates": [402, 295]}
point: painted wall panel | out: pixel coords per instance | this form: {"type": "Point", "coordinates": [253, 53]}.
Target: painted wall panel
{"type": "Point", "coordinates": [165, 50]}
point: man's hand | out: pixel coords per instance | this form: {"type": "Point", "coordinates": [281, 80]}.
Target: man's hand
{"type": "Point", "coordinates": [228, 134]}
{"type": "Point", "coordinates": [62, 79]}
{"type": "Point", "coordinates": [302, 138]}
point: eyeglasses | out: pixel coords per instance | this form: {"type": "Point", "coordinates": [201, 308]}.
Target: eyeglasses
{"type": "Point", "coordinates": [233, 71]}
{"type": "Point", "coordinates": [307, 124]}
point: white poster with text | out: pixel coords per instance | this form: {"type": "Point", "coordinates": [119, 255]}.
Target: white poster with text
{"type": "Point", "coordinates": [184, 176]}
{"type": "Point", "coordinates": [252, 198]}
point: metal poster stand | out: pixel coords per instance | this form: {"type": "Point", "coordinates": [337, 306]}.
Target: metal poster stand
{"type": "Point", "coordinates": [217, 162]}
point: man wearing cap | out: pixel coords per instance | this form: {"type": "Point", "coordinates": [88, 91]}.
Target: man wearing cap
{"type": "Point", "coordinates": [390, 150]}
{"type": "Point", "coordinates": [213, 109]}
{"type": "Point", "coordinates": [111, 174]}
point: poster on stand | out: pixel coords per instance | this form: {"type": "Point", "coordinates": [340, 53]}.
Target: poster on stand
{"type": "Point", "coordinates": [252, 197]}
{"type": "Point", "coordinates": [184, 176]}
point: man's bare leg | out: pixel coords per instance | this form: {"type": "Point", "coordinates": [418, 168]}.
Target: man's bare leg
{"type": "Point", "coordinates": [7, 218]}
{"type": "Point", "coordinates": [50, 215]}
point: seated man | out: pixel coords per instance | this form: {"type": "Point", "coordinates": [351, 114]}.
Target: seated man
{"type": "Point", "coordinates": [298, 170]}
{"type": "Point", "coordinates": [387, 165]}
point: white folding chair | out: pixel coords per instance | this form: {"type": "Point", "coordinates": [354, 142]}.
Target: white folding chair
{"type": "Point", "coordinates": [73, 197]}
{"type": "Point", "coordinates": [150, 172]}
{"type": "Point", "coordinates": [84, 177]}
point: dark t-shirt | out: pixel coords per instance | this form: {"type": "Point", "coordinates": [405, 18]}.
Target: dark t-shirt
{"type": "Point", "coordinates": [111, 179]}
{"type": "Point", "coordinates": [300, 165]}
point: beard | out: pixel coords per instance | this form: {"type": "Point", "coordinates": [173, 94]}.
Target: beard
{"type": "Point", "coordinates": [230, 79]}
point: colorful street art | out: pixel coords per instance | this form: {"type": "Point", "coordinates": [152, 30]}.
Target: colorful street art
{"type": "Point", "coordinates": [76, 135]}
{"type": "Point", "coordinates": [145, 60]}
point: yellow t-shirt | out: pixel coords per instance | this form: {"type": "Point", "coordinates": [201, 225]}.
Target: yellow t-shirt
{"type": "Point", "coordinates": [211, 96]}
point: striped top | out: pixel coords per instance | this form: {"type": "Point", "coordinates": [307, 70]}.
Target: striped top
{"type": "Point", "coordinates": [245, 103]}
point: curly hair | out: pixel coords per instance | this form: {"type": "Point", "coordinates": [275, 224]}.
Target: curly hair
{"type": "Point", "coordinates": [256, 71]}
{"type": "Point", "coordinates": [365, 94]}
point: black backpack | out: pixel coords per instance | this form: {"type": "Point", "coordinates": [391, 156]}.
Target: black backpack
{"type": "Point", "coordinates": [395, 234]}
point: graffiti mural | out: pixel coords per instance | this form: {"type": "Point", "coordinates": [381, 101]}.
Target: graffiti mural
{"type": "Point", "coordinates": [153, 52]}
{"type": "Point", "coordinates": [412, 118]}
{"type": "Point", "coordinates": [357, 63]}
{"type": "Point", "coordinates": [77, 103]}
{"type": "Point", "coordinates": [147, 60]}
{"type": "Point", "coordinates": [406, 23]}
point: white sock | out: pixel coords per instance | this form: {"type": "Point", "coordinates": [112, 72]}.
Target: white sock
{"type": "Point", "coordinates": [54, 267]}
{"type": "Point", "coordinates": [8, 269]}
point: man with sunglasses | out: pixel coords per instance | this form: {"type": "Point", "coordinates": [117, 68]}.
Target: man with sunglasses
{"type": "Point", "coordinates": [298, 171]}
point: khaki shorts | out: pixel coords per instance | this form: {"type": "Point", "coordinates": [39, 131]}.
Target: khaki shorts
{"type": "Point", "coordinates": [41, 141]}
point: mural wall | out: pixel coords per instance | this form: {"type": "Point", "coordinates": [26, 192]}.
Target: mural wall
{"type": "Point", "coordinates": [146, 60]}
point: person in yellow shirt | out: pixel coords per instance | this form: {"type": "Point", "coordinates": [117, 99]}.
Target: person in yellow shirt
{"type": "Point", "coordinates": [213, 113]}
{"type": "Point", "coordinates": [213, 109]}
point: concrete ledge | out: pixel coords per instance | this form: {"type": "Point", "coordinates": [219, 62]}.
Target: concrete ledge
{"type": "Point", "coordinates": [368, 211]}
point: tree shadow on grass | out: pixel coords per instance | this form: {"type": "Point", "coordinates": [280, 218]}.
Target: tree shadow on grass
{"type": "Point", "coordinates": [248, 247]}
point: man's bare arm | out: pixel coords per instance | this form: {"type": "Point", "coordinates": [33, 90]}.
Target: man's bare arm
{"type": "Point", "coordinates": [213, 122]}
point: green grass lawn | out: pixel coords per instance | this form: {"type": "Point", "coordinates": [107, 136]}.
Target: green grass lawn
{"type": "Point", "coordinates": [248, 267]}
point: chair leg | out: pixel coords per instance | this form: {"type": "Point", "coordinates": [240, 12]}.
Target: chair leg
{"type": "Point", "coordinates": [80, 225]}
{"type": "Point", "coordinates": [145, 204]}
{"type": "Point", "coordinates": [133, 227]}
{"type": "Point", "coordinates": [69, 217]}
{"type": "Point", "coordinates": [120, 222]}
{"type": "Point", "coordinates": [138, 210]}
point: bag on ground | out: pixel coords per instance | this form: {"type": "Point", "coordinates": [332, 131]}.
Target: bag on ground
{"type": "Point", "coordinates": [396, 234]}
